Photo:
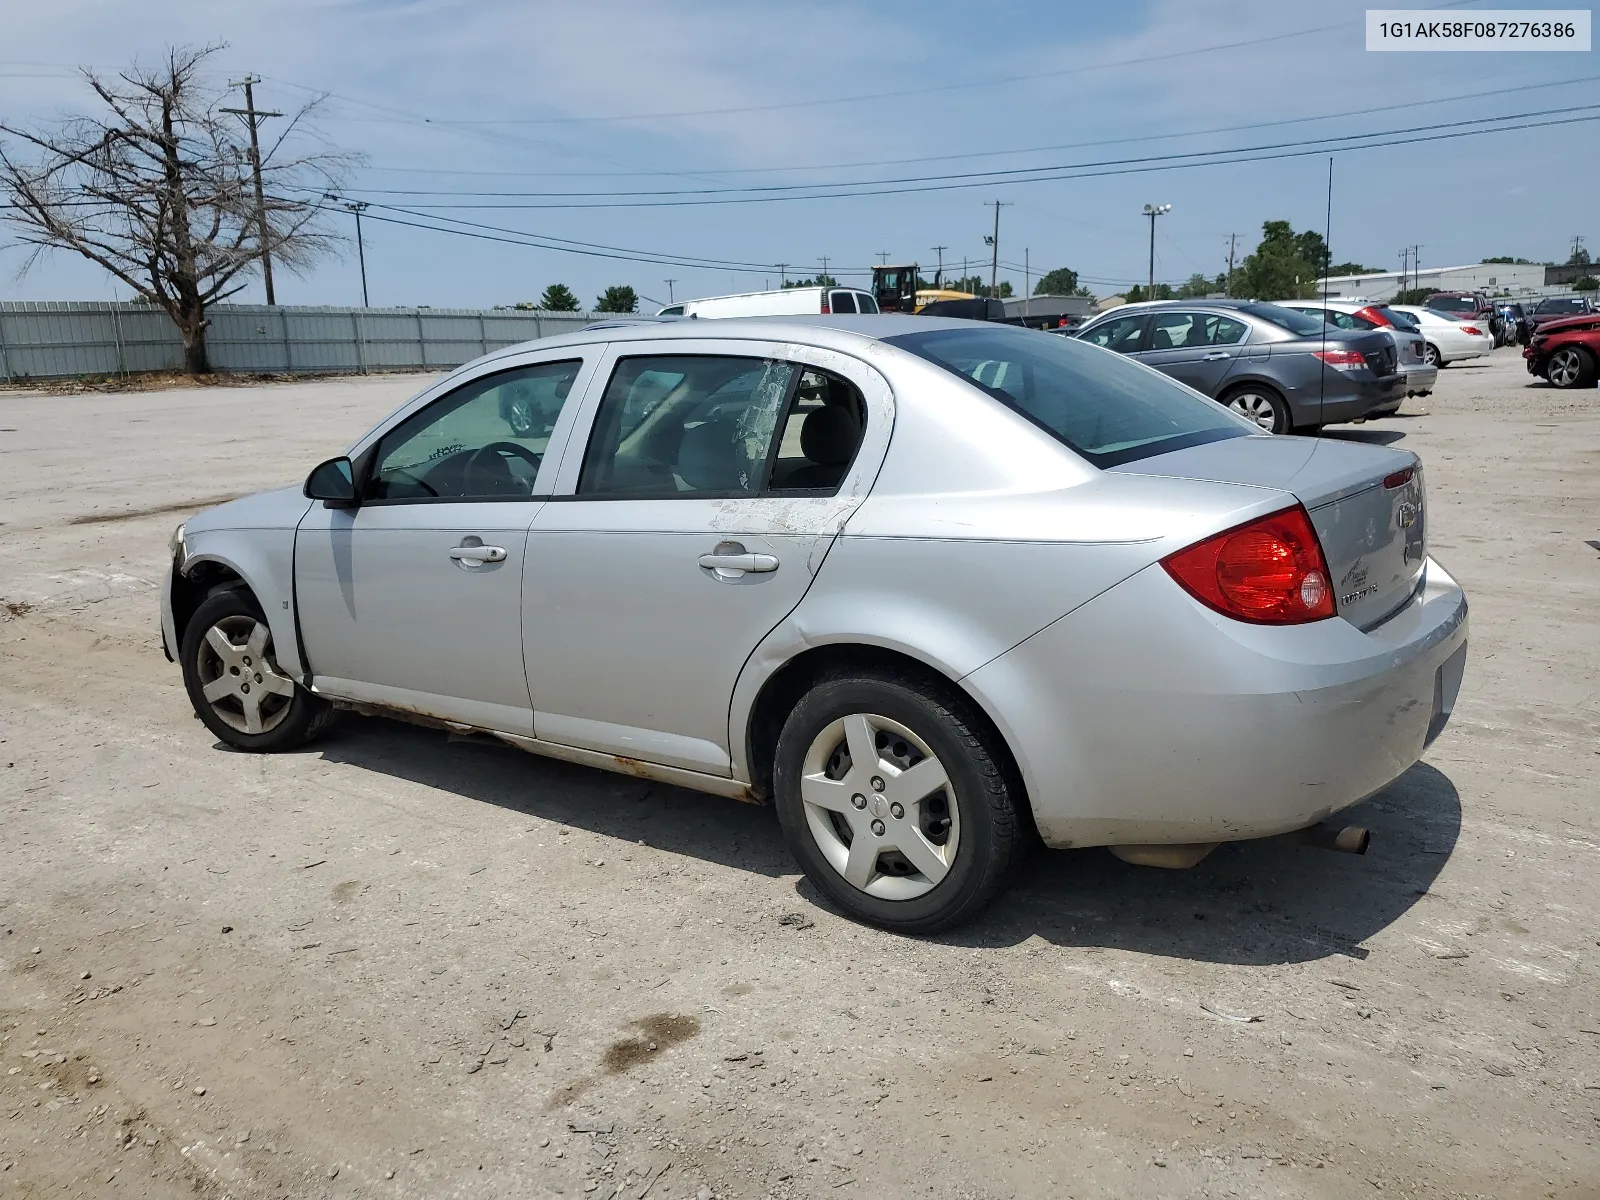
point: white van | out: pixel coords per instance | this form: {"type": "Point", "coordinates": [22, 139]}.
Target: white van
{"type": "Point", "coordinates": [786, 302]}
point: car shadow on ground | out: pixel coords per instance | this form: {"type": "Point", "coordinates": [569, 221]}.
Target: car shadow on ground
{"type": "Point", "coordinates": [1257, 903]}
{"type": "Point", "coordinates": [1372, 437]}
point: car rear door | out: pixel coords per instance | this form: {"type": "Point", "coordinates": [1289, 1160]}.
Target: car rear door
{"type": "Point", "coordinates": [688, 519]}
{"type": "Point", "coordinates": [1195, 348]}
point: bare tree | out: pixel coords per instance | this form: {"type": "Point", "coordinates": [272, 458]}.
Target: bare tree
{"type": "Point", "coordinates": [159, 190]}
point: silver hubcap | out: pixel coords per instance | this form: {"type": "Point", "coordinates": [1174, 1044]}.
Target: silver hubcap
{"type": "Point", "coordinates": [879, 807]}
{"type": "Point", "coordinates": [1430, 355]}
{"type": "Point", "coordinates": [1564, 368]}
{"type": "Point", "coordinates": [1256, 407]}
{"type": "Point", "coordinates": [238, 677]}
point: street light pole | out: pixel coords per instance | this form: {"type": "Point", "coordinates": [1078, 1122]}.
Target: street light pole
{"type": "Point", "coordinates": [1153, 211]}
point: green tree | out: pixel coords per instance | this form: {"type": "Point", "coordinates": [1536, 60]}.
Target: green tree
{"type": "Point", "coordinates": [1195, 287]}
{"type": "Point", "coordinates": [558, 297]}
{"type": "Point", "coordinates": [1580, 258]}
{"type": "Point", "coordinates": [621, 299]}
{"type": "Point", "coordinates": [1063, 281]}
{"type": "Point", "coordinates": [1353, 268]}
{"type": "Point", "coordinates": [1521, 262]}
{"type": "Point", "coordinates": [974, 285]}
{"type": "Point", "coordinates": [1279, 268]}
{"type": "Point", "coordinates": [1412, 295]}
{"type": "Point", "coordinates": [1137, 294]}
{"type": "Point", "coordinates": [823, 279]}
{"type": "Point", "coordinates": [1586, 283]}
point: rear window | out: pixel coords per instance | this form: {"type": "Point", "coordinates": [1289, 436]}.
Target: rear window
{"type": "Point", "coordinates": [1107, 409]}
{"type": "Point", "coordinates": [1453, 304]}
{"type": "Point", "coordinates": [843, 302]}
{"type": "Point", "coordinates": [1285, 318]}
{"type": "Point", "coordinates": [1561, 306]}
{"type": "Point", "coordinates": [1402, 321]}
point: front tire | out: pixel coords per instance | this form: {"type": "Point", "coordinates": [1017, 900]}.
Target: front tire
{"type": "Point", "coordinates": [1432, 357]}
{"type": "Point", "coordinates": [896, 801]}
{"type": "Point", "coordinates": [1259, 404]}
{"type": "Point", "coordinates": [1570, 367]}
{"type": "Point", "coordinates": [234, 682]}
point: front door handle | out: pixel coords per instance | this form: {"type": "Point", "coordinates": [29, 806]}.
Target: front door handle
{"type": "Point", "coordinates": [1214, 355]}
{"type": "Point", "coordinates": [478, 554]}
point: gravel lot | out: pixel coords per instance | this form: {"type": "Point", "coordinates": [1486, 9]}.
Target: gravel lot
{"type": "Point", "coordinates": [401, 964]}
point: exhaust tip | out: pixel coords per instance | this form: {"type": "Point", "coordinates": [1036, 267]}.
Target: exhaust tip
{"type": "Point", "coordinates": [1347, 839]}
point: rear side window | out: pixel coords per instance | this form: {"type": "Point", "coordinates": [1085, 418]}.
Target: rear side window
{"type": "Point", "coordinates": [1400, 320]}
{"type": "Point", "coordinates": [1121, 334]}
{"type": "Point", "coordinates": [1297, 323]}
{"type": "Point", "coordinates": [844, 302]}
{"type": "Point", "coordinates": [866, 302]}
{"type": "Point", "coordinates": [1107, 410]}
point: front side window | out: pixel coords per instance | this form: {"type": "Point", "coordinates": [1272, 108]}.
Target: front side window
{"type": "Point", "coordinates": [483, 441]}
{"type": "Point", "coordinates": [843, 302]}
{"type": "Point", "coordinates": [674, 425]}
{"type": "Point", "coordinates": [1121, 334]}
{"type": "Point", "coordinates": [1107, 410]}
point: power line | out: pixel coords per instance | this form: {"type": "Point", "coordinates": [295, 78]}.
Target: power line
{"type": "Point", "coordinates": [759, 191]}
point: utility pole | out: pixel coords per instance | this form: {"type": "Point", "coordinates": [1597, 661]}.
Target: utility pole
{"type": "Point", "coordinates": [1027, 278]}
{"type": "Point", "coordinates": [254, 118]}
{"type": "Point", "coordinates": [1153, 211]}
{"type": "Point", "coordinates": [1577, 244]}
{"type": "Point", "coordinates": [783, 274]}
{"type": "Point", "coordinates": [823, 259]}
{"type": "Point", "coordinates": [939, 250]}
{"type": "Point", "coordinates": [883, 258]}
{"type": "Point", "coordinates": [1233, 241]}
{"type": "Point", "coordinates": [669, 283]}
{"type": "Point", "coordinates": [994, 250]}
{"type": "Point", "coordinates": [1405, 266]}
{"type": "Point", "coordinates": [1416, 265]}
{"type": "Point", "coordinates": [356, 207]}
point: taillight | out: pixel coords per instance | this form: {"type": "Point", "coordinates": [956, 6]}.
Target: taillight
{"type": "Point", "coordinates": [1399, 479]}
{"type": "Point", "coordinates": [1473, 330]}
{"type": "Point", "coordinates": [1371, 314]}
{"type": "Point", "coordinates": [826, 311]}
{"type": "Point", "coordinates": [1269, 571]}
{"type": "Point", "coordinates": [1343, 359]}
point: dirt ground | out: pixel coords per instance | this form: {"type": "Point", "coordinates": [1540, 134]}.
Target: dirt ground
{"type": "Point", "coordinates": [397, 964]}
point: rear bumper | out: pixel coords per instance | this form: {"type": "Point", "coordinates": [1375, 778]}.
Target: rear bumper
{"type": "Point", "coordinates": [1352, 399]}
{"type": "Point", "coordinates": [1420, 379]}
{"type": "Point", "coordinates": [1143, 717]}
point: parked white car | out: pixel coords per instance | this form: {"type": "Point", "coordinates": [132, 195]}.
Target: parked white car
{"type": "Point", "coordinates": [785, 302]}
{"type": "Point", "coordinates": [1411, 350]}
{"type": "Point", "coordinates": [1449, 340]}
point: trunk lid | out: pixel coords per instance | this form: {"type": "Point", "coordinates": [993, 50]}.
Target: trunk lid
{"type": "Point", "coordinates": [1366, 504]}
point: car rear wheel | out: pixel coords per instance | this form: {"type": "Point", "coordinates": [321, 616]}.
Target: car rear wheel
{"type": "Point", "coordinates": [1261, 405]}
{"type": "Point", "coordinates": [1570, 367]}
{"type": "Point", "coordinates": [234, 682]}
{"type": "Point", "coordinates": [1431, 356]}
{"type": "Point", "coordinates": [896, 803]}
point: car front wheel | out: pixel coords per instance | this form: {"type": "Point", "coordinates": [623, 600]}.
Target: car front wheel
{"type": "Point", "coordinates": [896, 802]}
{"type": "Point", "coordinates": [1570, 367]}
{"type": "Point", "coordinates": [1432, 357]}
{"type": "Point", "coordinates": [234, 682]}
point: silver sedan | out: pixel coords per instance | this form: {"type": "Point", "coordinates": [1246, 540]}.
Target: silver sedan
{"type": "Point", "coordinates": [931, 587]}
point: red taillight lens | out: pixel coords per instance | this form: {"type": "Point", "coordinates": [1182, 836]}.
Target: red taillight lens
{"type": "Point", "coordinates": [1269, 571]}
{"type": "Point", "coordinates": [1342, 359]}
{"type": "Point", "coordinates": [826, 311]}
{"type": "Point", "coordinates": [1473, 330]}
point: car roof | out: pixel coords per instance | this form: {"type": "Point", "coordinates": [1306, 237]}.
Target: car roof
{"type": "Point", "coordinates": [839, 331]}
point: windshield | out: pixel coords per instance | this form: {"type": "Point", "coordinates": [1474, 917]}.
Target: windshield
{"type": "Point", "coordinates": [1103, 406]}
{"type": "Point", "coordinates": [1285, 318]}
{"type": "Point", "coordinates": [1551, 306]}
{"type": "Point", "coordinates": [1455, 304]}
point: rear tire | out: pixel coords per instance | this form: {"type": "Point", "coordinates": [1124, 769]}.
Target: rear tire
{"type": "Point", "coordinates": [234, 682]}
{"type": "Point", "coordinates": [1432, 357]}
{"type": "Point", "coordinates": [1570, 367]}
{"type": "Point", "coordinates": [928, 832]}
{"type": "Point", "coordinates": [1260, 404]}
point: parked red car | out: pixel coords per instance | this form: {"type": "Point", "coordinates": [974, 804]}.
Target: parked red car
{"type": "Point", "coordinates": [1566, 352]}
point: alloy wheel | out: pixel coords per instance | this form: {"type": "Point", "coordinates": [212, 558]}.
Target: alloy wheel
{"type": "Point", "coordinates": [1430, 354]}
{"type": "Point", "coordinates": [1255, 407]}
{"type": "Point", "coordinates": [1565, 367]}
{"type": "Point", "coordinates": [238, 677]}
{"type": "Point", "coordinates": [879, 806]}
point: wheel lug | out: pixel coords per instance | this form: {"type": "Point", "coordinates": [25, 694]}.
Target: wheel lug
{"type": "Point", "coordinates": [247, 660]}
{"type": "Point", "coordinates": [858, 800]}
{"type": "Point", "coordinates": [877, 828]}
{"type": "Point", "coordinates": [897, 810]}
{"type": "Point", "coordinates": [244, 687]}
{"type": "Point", "coordinates": [877, 783]}
{"type": "Point", "coordinates": [258, 680]}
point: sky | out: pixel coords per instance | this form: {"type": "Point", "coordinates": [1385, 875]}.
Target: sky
{"type": "Point", "coordinates": [615, 96]}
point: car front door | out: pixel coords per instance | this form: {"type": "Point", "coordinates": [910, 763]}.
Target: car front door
{"type": "Point", "coordinates": [413, 598]}
{"type": "Point", "coordinates": [701, 490]}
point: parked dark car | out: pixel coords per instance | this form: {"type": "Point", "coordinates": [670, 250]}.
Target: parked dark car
{"type": "Point", "coordinates": [1285, 371]}
{"type": "Point", "coordinates": [1566, 351]}
{"type": "Point", "coordinates": [1519, 328]}
{"type": "Point", "coordinates": [1554, 308]}
{"type": "Point", "coordinates": [978, 308]}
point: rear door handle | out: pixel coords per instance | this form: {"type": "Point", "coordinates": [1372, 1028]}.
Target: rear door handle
{"type": "Point", "coordinates": [739, 563]}
{"type": "Point", "coordinates": [1214, 355]}
{"type": "Point", "coordinates": [478, 554]}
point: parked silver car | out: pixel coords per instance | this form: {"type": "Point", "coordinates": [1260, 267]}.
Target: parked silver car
{"type": "Point", "coordinates": [1279, 368]}
{"type": "Point", "coordinates": [927, 585]}
{"type": "Point", "coordinates": [1411, 348]}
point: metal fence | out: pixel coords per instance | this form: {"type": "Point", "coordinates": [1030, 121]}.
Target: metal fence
{"type": "Point", "coordinates": [46, 340]}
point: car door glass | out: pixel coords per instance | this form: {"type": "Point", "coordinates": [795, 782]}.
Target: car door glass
{"type": "Point", "coordinates": [821, 433]}
{"type": "Point", "coordinates": [483, 441]}
{"type": "Point", "coordinates": [1176, 331]}
{"type": "Point", "coordinates": [866, 303]}
{"type": "Point", "coordinates": [1224, 331]}
{"type": "Point", "coordinates": [685, 425]}
{"type": "Point", "coordinates": [844, 302]}
{"type": "Point", "coordinates": [1120, 334]}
